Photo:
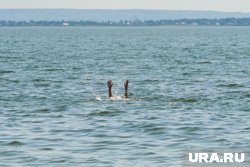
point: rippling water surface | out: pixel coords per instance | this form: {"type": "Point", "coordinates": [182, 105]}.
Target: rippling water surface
{"type": "Point", "coordinates": [188, 86]}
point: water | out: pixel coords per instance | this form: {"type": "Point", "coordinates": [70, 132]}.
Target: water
{"type": "Point", "coordinates": [188, 88]}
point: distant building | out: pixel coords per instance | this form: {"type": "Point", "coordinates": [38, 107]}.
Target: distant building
{"type": "Point", "coordinates": [65, 24]}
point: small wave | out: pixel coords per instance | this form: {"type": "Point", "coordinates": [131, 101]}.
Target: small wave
{"type": "Point", "coordinates": [248, 95]}
{"type": "Point", "coordinates": [46, 149]}
{"type": "Point", "coordinates": [220, 140]}
{"type": "Point", "coordinates": [204, 44]}
{"type": "Point", "coordinates": [42, 84]}
{"type": "Point", "coordinates": [58, 161]}
{"type": "Point", "coordinates": [232, 85]}
{"type": "Point", "coordinates": [186, 73]}
{"type": "Point", "coordinates": [204, 62]}
{"type": "Point", "coordinates": [247, 128]}
{"type": "Point", "coordinates": [15, 143]}
{"type": "Point", "coordinates": [105, 113]}
{"type": "Point", "coordinates": [151, 81]}
{"type": "Point", "coordinates": [6, 72]}
{"type": "Point", "coordinates": [185, 100]}
{"type": "Point", "coordinates": [186, 49]}
{"type": "Point", "coordinates": [156, 130]}
{"type": "Point", "coordinates": [53, 69]}
{"type": "Point", "coordinates": [40, 80]}
{"type": "Point", "coordinates": [42, 110]}
{"type": "Point", "coordinates": [14, 81]}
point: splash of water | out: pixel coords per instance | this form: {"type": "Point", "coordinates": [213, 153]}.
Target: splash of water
{"type": "Point", "coordinates": [118, 85]}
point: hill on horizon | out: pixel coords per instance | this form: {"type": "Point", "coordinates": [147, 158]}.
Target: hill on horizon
{"type": "Point", "coordinates": [100, 15]}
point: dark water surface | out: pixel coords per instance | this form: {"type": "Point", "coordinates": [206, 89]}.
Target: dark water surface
{"type": "Point", "coordinates": [189, 87]}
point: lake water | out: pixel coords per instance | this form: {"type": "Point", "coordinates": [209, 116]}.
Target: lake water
{"type": "Point", "coordinates": [189, 87]}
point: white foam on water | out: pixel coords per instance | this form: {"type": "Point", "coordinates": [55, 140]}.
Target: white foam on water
{"type": "Point", "coordinates": [114, 98]}
{"type": "Point", "coordinates": [98, 98]}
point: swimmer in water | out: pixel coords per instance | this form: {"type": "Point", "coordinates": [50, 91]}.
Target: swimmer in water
{"type": "Point", "coordinates": [110, 84]}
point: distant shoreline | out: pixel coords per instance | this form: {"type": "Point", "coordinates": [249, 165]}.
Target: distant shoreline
{"type": "Point", "coordinates": [104, 15]}
{"type": "Point", "coordinates": [177, 22]}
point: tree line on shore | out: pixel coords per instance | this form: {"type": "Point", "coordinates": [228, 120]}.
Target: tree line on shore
{"type": "Point", "coordinates": [182, 22]}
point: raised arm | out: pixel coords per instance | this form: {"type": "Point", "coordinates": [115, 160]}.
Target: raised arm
{"type": "Point", "coordinates": [110, 84]}
{"type": "Point", "coordinates": [126, 89]}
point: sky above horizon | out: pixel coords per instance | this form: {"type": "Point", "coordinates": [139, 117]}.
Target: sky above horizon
{"type": "Point", "coordinates": [216, 5]}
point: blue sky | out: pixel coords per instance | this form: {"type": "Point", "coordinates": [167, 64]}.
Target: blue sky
{"type": "Point", "coordinates": [218, 5]}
